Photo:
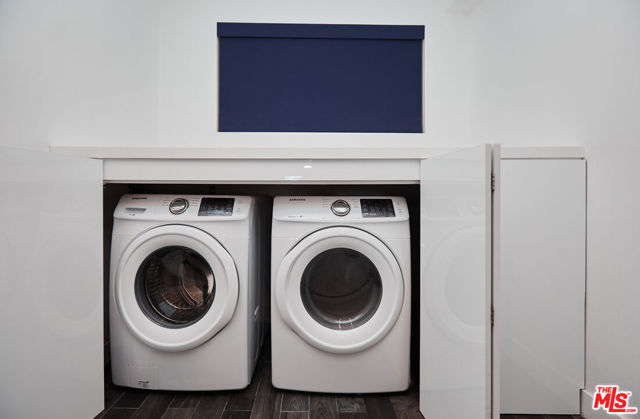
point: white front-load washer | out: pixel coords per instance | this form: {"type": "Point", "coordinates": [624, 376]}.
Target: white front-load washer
{"type": "Point", "coordinates": [340, 294]}
{"type": "Point", "coordinates": [187, 291]}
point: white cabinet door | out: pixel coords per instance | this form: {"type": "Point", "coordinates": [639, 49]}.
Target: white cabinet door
{"type": "Point", "coordinates": [456, 285]}
{"type": "Point", "coordinates": [542, 291]}
{"type": "Point", "coordinates": [51, 361]}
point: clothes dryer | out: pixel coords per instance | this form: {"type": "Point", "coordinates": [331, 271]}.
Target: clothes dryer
{"type": "Point", "coordinates": [340, 294]}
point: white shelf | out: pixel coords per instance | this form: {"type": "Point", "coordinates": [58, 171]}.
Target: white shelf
{"type": "Point", "coordinates": [303, 153]}
{"type": "Point", "coordinates": [330, 165]}
{"type": "Point", "coordinates": [252, 153]}
{"type": "Point", "coordinates": [543, 153]}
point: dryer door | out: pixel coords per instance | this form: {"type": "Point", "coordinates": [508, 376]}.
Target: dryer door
{"type": "Point", "coordinates": [175, 287]}
{"type": "Point", "coordinates": [340, 289]}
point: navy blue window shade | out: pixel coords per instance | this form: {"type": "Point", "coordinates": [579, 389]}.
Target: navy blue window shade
{"type": "Point", "coordinates": [320, 78]}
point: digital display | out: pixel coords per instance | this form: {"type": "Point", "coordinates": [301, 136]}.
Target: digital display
{"type": "Point", "coordinates": [216, 206]}
{"type": "Point", "coordinates": [377, 208]}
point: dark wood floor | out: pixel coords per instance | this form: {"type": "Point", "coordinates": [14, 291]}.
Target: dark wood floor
{"type": "Point", "coordinates": [262, 400]}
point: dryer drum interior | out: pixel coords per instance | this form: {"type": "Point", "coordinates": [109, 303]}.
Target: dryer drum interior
{"type": "Point", "coordinates": [341, 288]}
{"type": "Point", "coordinates": [175, 286]}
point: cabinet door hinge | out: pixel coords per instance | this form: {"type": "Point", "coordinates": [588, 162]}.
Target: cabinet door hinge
{"type": "Point", "coordinates": [493, 182]}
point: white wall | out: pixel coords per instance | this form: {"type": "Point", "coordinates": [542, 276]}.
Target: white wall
{"type": "Point", "coordinates": [78, 71]}
{"type": "Point", "coordinates": [145, 72]}
{"type": "Point", "coordinates": [568, 72]}
{"type": "Point", "coordinates": [562, 72]}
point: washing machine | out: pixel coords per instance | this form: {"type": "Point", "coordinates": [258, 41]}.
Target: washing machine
{"type": "Point", "coordinates": [340, 294]}
{"type": "Point", "coordinates": [187, 290]}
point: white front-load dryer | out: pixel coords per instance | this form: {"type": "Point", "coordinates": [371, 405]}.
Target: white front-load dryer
{"type": "Point", "coordinates": [340, 294]}
{"type": "Point", "coordinates": [187, 291]}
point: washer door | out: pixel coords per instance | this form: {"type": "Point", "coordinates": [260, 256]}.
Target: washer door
{"type": "Point", "coordinates": [175, 287]}
{"type": "Point", "coordinates": [340, 289]}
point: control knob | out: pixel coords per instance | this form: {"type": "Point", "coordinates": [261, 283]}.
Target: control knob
{"type": "Point", "coordinates": [340, 207]}
{"type": "Point", "coordinates": [178, 206]}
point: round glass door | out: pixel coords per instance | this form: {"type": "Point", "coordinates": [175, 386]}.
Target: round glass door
{"type": "Point", "coordinates": [175, 286]}
{"type": "Point", "coordinates": [341, 288]}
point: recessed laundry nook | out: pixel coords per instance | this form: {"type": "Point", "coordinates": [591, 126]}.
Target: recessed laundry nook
{"type": "Point", "coordinates": [277, 209]}
{"type": "Point", "coordinates": [356, 249]}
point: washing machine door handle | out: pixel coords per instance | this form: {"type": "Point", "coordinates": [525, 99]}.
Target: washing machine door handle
{"type": "Point", "coordinates": [140, 321]}
{"type": "Point", "coordinates": [319, 310]}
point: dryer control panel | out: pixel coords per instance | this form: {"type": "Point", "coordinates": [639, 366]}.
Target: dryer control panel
{"type": "Point", "coordinates": [334, 208]}
{"type": "Point", "coordinates": [183, 207]}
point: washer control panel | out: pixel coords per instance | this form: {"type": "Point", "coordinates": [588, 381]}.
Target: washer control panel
{"type": "Point", "coordinates": [334, 208]}
{"type": "Point", "coordinates": [183, 207]}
